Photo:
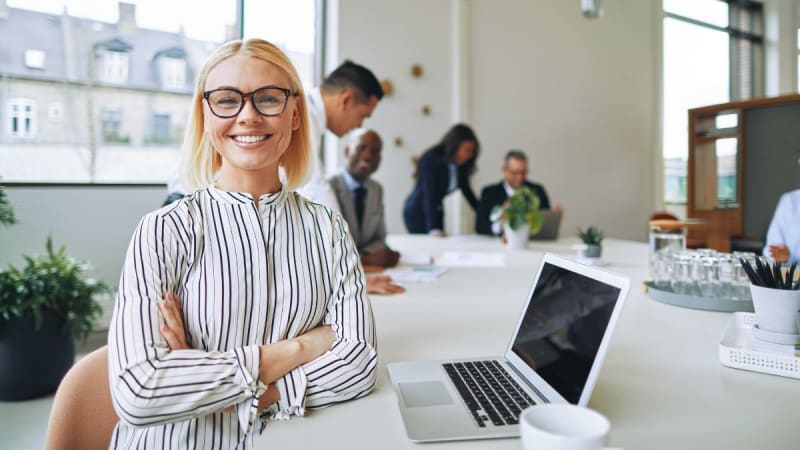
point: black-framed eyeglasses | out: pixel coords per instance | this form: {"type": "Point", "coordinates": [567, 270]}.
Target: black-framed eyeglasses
{"type": "Point", "coordinates": [229, 102]}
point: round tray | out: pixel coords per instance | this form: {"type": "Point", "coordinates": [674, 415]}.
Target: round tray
{"type": "Point", "coordinates": [688, 301]}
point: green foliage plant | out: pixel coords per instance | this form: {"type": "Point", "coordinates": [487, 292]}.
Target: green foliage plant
{"type": "Point", "coordinates": [53, 282]}
{"type": "Point", "coordinates": [7, 216]}
{"type": "Point", "coordinates": [522, 207]}
{"type": "Point", "coordinates": [591, 235]}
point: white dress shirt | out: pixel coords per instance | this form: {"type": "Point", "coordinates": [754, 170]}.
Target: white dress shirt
{"type": "Point", "coordinates": [509, 192]}
{"type": "Point", "coordinates": [318, 189]}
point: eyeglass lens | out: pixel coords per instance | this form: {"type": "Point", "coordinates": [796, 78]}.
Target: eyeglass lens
{"type": "Point", "coordinates": [229, 102]}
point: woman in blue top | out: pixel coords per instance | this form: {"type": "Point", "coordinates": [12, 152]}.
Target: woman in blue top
{"type": "Point", "coordinates": [440, 170]}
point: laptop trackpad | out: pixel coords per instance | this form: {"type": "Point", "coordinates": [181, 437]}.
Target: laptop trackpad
{"type": "Point", "coordinates": [424, 393]}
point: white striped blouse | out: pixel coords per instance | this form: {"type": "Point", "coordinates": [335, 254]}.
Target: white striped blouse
{"type": "Point", "coordinates": [246, 275]}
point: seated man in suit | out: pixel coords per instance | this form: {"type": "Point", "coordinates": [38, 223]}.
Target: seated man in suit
{"type": "Point", "coordinates": [361, 202]}
{"type": "Point", "coordinates": [515, 171]}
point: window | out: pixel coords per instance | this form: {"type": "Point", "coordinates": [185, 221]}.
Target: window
{"type": "Point", "coordinates": [290, 26]}
{"type": "Point", "coordinates": [713, 53]}
{"type": "Point", "coordinates": [112, 66]}
{"type": "Point", "coordinates": [125, 98]}
{"type": "Point", "coordinates": [21, 118]}
{"type": "Point", "coordinates": [110, 119]}
{"type": "Point", "coordinates": [173, 72]}
{"type": "Point", "coordinates": [162, 131]}
{"type": "Point", "coordinates": [34, 59]}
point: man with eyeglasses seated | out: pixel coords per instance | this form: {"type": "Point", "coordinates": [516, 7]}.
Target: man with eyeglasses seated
{"type": "Point", "coordinates": [515, 172]}
{"type": "Point", "coordinates": [346, 97]}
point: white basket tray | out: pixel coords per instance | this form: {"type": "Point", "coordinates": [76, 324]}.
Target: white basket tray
{"type": "Point", "coordinates": [740, 349]}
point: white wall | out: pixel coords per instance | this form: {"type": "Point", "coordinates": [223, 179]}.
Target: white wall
{"type": "Point", "coordinates": [580, 96]}
{"type": "Point", "coordinates": [389, 39]}
{"type": "Point", "coordinates": [95, 223]}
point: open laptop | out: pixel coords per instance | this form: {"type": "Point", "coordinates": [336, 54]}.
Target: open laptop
{"type": "Point", "coordinates": [554, 356]}
{"type": "Point", "coordinates": [550, 226]}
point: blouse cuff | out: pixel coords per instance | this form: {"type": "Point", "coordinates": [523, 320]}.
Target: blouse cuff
{"type": "Point", "coordinates": [292, 388]}
{"type": "Point", "coordinates": [247, 378]}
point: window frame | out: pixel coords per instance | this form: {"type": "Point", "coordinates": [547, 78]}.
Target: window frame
{"type": "Point", "coordinates": [113, 66]}
{"type": "Point", "coordinates": [173, 72]}
{"type": "Point", "coordinates": [737, 34]}
{"type": "Point", "coordinates": [20, 114]}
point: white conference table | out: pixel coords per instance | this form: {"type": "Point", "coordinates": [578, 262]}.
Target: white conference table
{"type": "Point", "coordinates": [661, 386]}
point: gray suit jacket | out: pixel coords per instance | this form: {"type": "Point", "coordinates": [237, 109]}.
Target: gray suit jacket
{"type": "Point", "coordinates": [372, 235]}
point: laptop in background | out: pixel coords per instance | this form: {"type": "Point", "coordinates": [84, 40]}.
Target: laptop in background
{"type": "Point", "coordinates": [550, 226]}
{"type": "Point", "coordinates": [554, 356]}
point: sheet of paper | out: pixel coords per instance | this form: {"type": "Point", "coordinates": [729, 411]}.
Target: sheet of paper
{"type": "Point", "coordinates": [415, 260]}
{"type": "Point", "coordinates": [415, 274]}
{"type": "Point", "coordinates": [471, 259]}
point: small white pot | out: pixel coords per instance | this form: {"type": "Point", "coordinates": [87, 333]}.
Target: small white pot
{"type": "Point", "coordinates": [592, 251]}
{"type": "Point", "coordinates": [516, 239]}
{"type": "Point", "coordinates": [777, 310]}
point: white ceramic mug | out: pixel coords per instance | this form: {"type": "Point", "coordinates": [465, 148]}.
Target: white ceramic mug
{"type": "Point", "coordinates": [562, 427]}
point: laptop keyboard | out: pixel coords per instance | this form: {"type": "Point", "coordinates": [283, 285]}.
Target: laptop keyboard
{"type": "Point", "coordinates": [489, 392]}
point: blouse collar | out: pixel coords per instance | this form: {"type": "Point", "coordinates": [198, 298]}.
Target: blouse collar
{"type": "Point", "coordinates": [239, 198]}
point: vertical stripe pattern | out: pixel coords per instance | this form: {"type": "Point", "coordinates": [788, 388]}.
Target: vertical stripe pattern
{"type": "Point", "coordinates": [246, 275]}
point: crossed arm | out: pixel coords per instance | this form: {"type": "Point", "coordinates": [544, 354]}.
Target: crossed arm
{"type": "Point", "coordinates": [276, 360]}
{"type": "Point", "coordinates": [152, 385]}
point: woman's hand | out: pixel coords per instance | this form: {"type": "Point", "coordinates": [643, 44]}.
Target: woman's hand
{"type": "Point", "coordinates": [270, 396]}
{"type": "Point", "coordinates": [172, 329]}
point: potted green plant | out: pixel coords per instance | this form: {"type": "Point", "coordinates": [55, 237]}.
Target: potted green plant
{"type": "Point", "coordinates": [520, 216]}
{"type": "Point", "coordinates": [592, 239]}
{"type": "Point", "coordinates": [43, 306]}
{"type": "Point", "coordinates": [6, 211]}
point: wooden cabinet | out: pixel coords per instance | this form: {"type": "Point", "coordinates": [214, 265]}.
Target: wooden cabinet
{"type": "Point", "coordinates": [742, 156]}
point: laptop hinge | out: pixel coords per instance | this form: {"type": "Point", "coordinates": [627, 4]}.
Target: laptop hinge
{"type": "Point", "coordinates": [525, 380]}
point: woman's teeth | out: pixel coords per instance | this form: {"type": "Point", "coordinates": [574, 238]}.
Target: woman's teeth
{"type": "Point", "coordinates": [249, 139]}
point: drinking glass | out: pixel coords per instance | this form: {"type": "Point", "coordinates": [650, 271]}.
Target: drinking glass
{"type": "Point", "coordinates": [741, 282]}
{"type": "Point", "coordinates": [727, 275]}
{"type": "Point", "coordinates": [664, 244]}
{"type": "Point", "coordinates": [661, 268]}
{"type": "Point", "coordinates": [682, 282]}
{"type": "Point", "coordinates": [708, 283]}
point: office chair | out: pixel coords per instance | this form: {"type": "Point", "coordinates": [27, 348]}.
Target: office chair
{"type": "Point", "coordinates": [83, 416]}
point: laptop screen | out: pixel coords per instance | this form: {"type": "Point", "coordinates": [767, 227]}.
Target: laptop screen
{"type": "Point", "coordinates": [563, 326]}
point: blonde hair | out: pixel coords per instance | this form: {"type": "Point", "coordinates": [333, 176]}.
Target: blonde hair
{"type": "Point", "coordinates": [200, 161]}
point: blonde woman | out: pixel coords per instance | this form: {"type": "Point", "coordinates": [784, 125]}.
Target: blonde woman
{"type": "Point", "coordinates": [268, 287]}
